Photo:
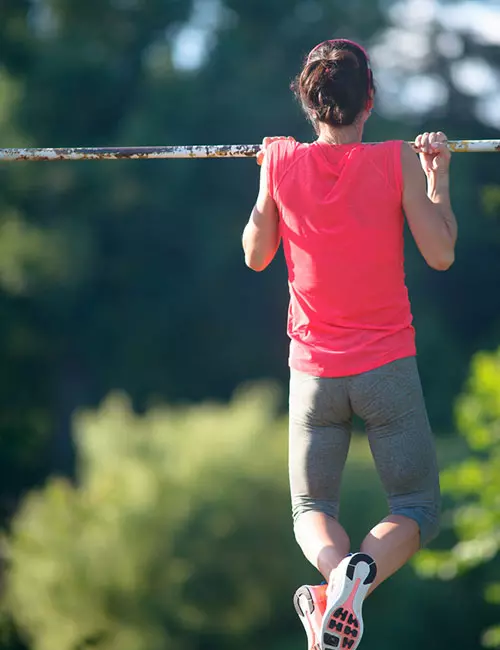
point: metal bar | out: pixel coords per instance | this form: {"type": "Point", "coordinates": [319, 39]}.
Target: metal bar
{"type": "Point", "coordinates": [475, 146]}
{"type": "Point", "coordinates": [197, 151]}
{"type": "Point", "coordinates": [133, 153]}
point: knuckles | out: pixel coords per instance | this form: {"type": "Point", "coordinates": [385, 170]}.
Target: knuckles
{"type": "Point", "coordinates": [431, 142]}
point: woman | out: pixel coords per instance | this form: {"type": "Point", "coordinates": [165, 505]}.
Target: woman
{"type": "Point", "coordinates": [337, 205]}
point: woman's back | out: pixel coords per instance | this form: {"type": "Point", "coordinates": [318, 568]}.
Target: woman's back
{"type": "Point", "coordinates": [341, 224]}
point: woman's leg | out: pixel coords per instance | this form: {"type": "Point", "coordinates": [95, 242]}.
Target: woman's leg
{"type": "Point", "coordinates": [320, 431]}
{"type": "Point", "coordinates": [391, 543]}
{"type": "Point", "coordinates": [323, 541]}
{"type": "Point", "coordinates": [391, 402]}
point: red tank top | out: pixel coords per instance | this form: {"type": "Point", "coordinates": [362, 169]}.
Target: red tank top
{"type": "Point", "coordinates": [341, 223]}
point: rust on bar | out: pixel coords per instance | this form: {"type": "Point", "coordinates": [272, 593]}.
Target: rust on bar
{"type": "Point", "coordinates": [191, 151]}
{"type": "Point", "coordinates": [130, 153]}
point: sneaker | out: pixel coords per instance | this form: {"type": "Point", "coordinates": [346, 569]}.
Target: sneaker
{"type": "Point", "coordinates": [342, 626]}
{"type": "Point", "coordinates": [310, 605]}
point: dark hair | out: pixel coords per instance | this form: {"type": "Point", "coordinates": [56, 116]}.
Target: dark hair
{"type": "Point", "coordinates": [335, 84]}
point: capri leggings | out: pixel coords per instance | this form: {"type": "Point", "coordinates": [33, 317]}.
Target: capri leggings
{"type": "Point", "coordinates": [390, 401]}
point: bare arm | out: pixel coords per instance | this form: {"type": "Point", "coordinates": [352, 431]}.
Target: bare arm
{"type": "Point", "coordinates": [426, 199]}
{"type": "Point", "coordinates": [261, 237]}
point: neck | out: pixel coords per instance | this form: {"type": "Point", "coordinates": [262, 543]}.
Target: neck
{"type": "Point", "coordinates": [340, 135]}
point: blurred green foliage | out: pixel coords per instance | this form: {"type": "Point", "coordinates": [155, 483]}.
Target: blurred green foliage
{"type": "Point", "coordinates": [474, 485]}
{"type": "Point", "coordinates": [177, 518]}
{"type": "Point", "coordinates": [179, 534]}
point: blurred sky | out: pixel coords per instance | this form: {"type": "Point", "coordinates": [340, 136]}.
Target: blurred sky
{"type": "Point", "coordinates": [399, 55]}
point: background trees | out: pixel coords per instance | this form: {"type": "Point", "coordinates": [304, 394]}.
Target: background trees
{"type": "Point", "coordinates": [129, 276]}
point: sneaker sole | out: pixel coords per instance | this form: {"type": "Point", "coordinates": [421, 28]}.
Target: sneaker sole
{"type": "Point", "coordinates": [304, 606]}
{"type": "Point", "coordinates": [343, 623]}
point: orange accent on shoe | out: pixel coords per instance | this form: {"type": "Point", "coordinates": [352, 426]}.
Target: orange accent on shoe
{"type": "Point", "coordinates": [310, 604]}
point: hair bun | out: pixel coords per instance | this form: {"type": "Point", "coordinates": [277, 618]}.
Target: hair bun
{"type": "Point", "coordinates": [333, 85]}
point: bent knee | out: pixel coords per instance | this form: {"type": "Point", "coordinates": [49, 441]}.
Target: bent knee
{"type": "Point", "coordinates": [303, 505]}
{"type": "Point", "coordinates": [427, 516]}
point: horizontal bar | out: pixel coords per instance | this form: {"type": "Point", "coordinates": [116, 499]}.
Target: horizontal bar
{"type": "Point", "coordinates": [196, 151]}
{"type": "Point", "coordinates": [133, 153]}
{"type": "Point", "coordinates": [474, 146]}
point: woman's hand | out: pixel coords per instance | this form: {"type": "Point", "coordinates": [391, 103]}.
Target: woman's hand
{"type": "Point", "coordinates": [265, 144]}
{"type": "Point", "coordinates": [435, 155]}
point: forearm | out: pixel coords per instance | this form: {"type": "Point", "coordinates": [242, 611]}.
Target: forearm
{"type": "Point", "coordinates": [438, 191]}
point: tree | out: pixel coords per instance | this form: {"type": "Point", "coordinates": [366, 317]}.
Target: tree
{"type": "Point", "coordinates": [72, 73]}
{"type": "Point", "coordinates": [164, 543]}
{"type": "Point", "coordinates": [178, 534]}
{"type": "Point", "coordinates": [130, 275]}
{"type": "Point", "coordinates": [475, 485]}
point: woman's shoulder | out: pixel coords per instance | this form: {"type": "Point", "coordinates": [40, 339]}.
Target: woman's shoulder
{"type": "Point", "coordinates": [386, 150]}
{"type": "Point", "coordinates": [286, 144]}
{"type": "Point", "coordinates": [286, 150]}
{"type": "Point", "coordinates": [385, 145]}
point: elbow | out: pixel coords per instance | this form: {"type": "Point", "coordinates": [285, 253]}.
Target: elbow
{"type": "Point", "coordinates": [254, 263]}
{"type": "Point", "coordinates": [255, 257]}
{"type": "Point", "coordinates": [443, 262]}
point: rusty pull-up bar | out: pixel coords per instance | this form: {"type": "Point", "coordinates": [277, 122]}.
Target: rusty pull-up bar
{"type": "Point", "coordinates": [195, 151]}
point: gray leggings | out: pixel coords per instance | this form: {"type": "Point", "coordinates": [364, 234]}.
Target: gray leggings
{"type": "Point", "coordinates": [390, 401]}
